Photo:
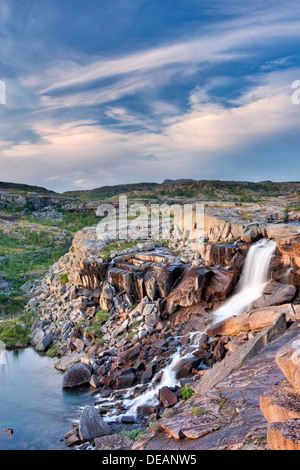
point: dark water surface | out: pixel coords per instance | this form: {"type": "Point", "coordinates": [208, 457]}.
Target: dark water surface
{"type": "Point", "coordinates": [33, 404]}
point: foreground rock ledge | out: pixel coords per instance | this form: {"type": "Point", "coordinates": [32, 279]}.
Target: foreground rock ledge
{"type": "Point", "coordinates": [236, 421]}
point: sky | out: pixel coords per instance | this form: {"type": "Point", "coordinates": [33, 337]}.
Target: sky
{"type": "Point", "coordinates": [104, 92]}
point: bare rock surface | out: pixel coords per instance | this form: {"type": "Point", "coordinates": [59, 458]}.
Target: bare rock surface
{"type": "Point", "coordinates": [288, 359]}
{"type": "Point", "coordinates": [284, 435]}
{"type": "Point", "coordinates": [279, 404]}
{"type": "Point", "coordinates": [239, 396]}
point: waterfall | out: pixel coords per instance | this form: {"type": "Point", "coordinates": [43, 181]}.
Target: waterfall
{"type": "Point", "coordinates": [253, 280]}
{"type": "Point", "coordinates": [250, 287]}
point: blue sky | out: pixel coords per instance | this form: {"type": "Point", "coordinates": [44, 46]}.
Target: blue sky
{"type": "Point", "coordinates": [121, 91]}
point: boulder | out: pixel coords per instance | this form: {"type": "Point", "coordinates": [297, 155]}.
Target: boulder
{"type": "Point", "coordinates": [185, 366]}
{"type": "Point", "coordinates": [78, 374]}
{"type": "Point", "coordinates": [288, 359]}
{"type": "Point", "coordinates": [276, 293]}
{"type": "Point", "coordinates": [160, 280]}
{"type": "Point", "coordinates": [279, 405]}
{"type": "Point", "coordinates": [255, 320]}
{"type": "Point", "coordinates": [72, 438]}
{"type": "Point", "coordinates": [145, 410]}
{"type": "Point", "coordinates": [167, 398]}
{"type": "Point", "coordinates": [190, 291]}
{"type": "Point", "coordinates": [40, 340]}
{"type": "Point", "coordinates": [220, 286]}
{"type": "Point", "coordinates": [91, 425]}
{"type": "Point", "coordinates": [68, 361]}
{"type": "Point", "coordinates": [284, 435]}
{"type": "Point", "coordinates": [4, 284]}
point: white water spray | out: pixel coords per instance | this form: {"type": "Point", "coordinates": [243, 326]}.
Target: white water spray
{"type": "Point", "coordinates": [253, 280]}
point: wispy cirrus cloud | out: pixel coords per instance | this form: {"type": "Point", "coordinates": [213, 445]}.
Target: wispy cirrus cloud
{"type": "Point", "coordinates": [216, 90]}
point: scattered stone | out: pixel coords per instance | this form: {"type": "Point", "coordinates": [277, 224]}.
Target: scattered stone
{"type": "Point", "coordinates": [78, 374]}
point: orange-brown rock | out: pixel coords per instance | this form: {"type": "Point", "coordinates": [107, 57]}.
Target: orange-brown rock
{"type": "Point", "coordinates": [256, 321]}
{"type": "Point", "coordinates": [278, 405]}
{"type": "Point", "coordinates": [190, 290]}
{"type": "Point", "coordinates": [284, 436]}
{"type": "Point", "coordinates": [220, 286]}
{"type": "Point", "coordinates": [288, 359]}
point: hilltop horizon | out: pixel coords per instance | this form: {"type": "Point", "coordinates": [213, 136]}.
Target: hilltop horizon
{"type": "Point", "coordinates": [145, 187]}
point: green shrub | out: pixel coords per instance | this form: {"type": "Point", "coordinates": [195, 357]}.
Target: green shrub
{"type": "Point", "coordinates": [134, 434]}
{"type": "Point", "coordinates": [187, 392]}
{"type": "Point", "coordinates": [64, 279]}
{"type": "Point", "coordinates": [53, 351]}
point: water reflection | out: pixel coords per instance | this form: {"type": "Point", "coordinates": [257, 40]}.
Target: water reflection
{"type": "Point", "coordinates": [33, 403]}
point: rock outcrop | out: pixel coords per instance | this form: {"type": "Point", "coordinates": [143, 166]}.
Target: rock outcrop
{"type": "Point", "coordinates": [281, 404]}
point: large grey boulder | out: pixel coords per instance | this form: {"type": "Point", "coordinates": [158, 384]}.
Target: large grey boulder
{"type": "Point", "coordinates": [91, 425]}
{"type": "Point", "coordinates": [40, 340]}
{"type": "Point", "coordinates": [78, 374]}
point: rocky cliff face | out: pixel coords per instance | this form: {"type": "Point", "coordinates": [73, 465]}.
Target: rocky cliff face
{"type": "Point", "coordinates": [124, 309]}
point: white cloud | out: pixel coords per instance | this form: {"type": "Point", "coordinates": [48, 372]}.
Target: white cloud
{"type": "Point", "coordinates": [84, 151]}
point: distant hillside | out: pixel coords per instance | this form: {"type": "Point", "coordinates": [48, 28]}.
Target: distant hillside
{"type": "Point", "coordinates": [24, 188]}
{"type": "Point", "coordinates": [109, 191]}
{"type": "Point", "coordinates": [207, 190]}
{"type": "Point", "coordinates": [241, 191]}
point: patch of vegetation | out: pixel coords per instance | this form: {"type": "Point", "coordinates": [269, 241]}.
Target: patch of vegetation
{"type": "Point", "coordinates": [25, 255]}
{"type": "Point", "coordinates": [198, 411]}
{"type": "Point", "coordinates": [95, 328]}
{"type": "Point", "coordinates": [80, 324]}
{"type": "Point", "coordinates": [16, 331]}
{"type": "Point", "coordinates": [53, 351]}
{"type": "Point", "coordinates": [135, 434]}
{"type": "Point", "coordinates": [222, 405]}
{"type": "Point", "coordinates": [72, 221]}
{"type": "Point", "coordinates": [64, 279]}
{"type": "Point", "coordinates": [187, 392]}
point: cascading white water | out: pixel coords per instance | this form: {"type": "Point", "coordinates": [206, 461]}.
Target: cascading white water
{"type": "Point", "coordinates": [252, 282]}
{"type": "Point", "coordinates": [168, 379]}
{"type": "Point", "coordinates": [250, 288]}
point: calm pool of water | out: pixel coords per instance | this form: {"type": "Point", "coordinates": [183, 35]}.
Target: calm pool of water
{"type": "Point", "coordinates": [33, 404]}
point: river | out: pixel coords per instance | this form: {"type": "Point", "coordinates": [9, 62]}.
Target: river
{"type": "Point", "coordinates": [33, 404]}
